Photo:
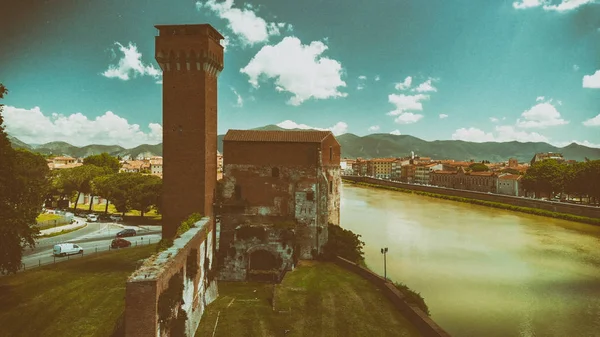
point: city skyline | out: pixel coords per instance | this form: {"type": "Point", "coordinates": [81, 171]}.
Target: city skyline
{"type": "Point", "coordinates": [527, 70]}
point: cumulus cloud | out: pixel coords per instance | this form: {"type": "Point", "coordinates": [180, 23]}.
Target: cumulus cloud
{"type": "Point", "coordinates": [503, 133]}
{"type": "Point", "coordinates": [575, 67]}
{"type": "Point", "coordinates": [395, 132]}
{"type": "Point", "coordinates": [547, 5]}
{"type": "Point", "coordinates": [540, 116]}
{"type": "Point", "coordinates": [539, 98]}
{"type": "Point", "coordinates": [130, 65]}
{"type": "Point", "coordinates": [338, 129]}
{"type": "Point", "coordinates": [35, 127]}
{"type": "Point", "coordinates": [374, 128]}
{"type": "Point", "coordinates": [404, 103]}
{"type": "Point", "coordinates": [239, 101]}
{"type": "Point", "coordinates": [494, 119]}
{"type": "Point", "coordinates": [592, 81]}
{"type": "Point", "coordinates": [377, 78]}
{"type": "Point", "coordinates": [426, 86]}
{"type": "Point", "coordinates": [405, 84]}
{"type": "Point", "coordinates": [408, 118]}
{"type": "Point", "coordinates": [442, 116]}
{"type": "Point", "coordinates": [592, 121]}
{"type": "Point", "coordinates": [298, 69]}
{"type": "Point", "coordinates": [249, 28]}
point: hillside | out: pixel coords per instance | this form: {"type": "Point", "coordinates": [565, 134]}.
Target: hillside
{"type": "Point", "coordinates": [353, 146]}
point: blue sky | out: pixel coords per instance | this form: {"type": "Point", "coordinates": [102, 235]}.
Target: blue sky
{"type": "Point", "coordinates": [526, 70]}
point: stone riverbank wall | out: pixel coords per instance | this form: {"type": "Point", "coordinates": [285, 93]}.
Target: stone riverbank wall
{"type": "Point", "coordinates": [559, 207]}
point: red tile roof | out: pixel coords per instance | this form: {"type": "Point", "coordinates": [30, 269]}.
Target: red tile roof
{"type": "Point", "coordinates": [484, 174]}
{"type": "Point", "coordinates": [511, 177]}
{"type": "Point", "coordinates": [304, 136]}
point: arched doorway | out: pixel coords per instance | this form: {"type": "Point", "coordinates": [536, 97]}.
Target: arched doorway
{"type": "Point", "coordinates": [263, 266]}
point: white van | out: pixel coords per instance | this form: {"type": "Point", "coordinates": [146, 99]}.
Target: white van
{"type": "Point", "coordinates": [64, 249]}
{"type": "Point", "coordinates": [92, 218]}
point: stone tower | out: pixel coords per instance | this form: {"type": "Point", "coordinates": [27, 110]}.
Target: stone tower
{"type": "Point", "coordinates": [191, 58]}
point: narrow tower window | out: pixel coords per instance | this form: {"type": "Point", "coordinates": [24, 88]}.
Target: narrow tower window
{"type": "Point", "coordinates": [275, 172]}
{"type": "Point", "coordinates": [238, 192]}
{"type": "Point", "coordinates": [331, 153]}
{"type": "Point", "coordinates": [331, 186]}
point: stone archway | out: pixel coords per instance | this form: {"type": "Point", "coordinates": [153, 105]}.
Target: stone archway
{"type": "Point", "coordinates": [263, 265]}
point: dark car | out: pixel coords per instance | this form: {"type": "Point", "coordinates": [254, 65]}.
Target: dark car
{"type": "Point", "coordinates": [126, 232]}
{"type": "Point", "coordinates": [120, 243]}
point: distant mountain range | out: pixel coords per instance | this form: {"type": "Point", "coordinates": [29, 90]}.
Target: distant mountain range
{"type": "Point", "coordinates": [353, 146]}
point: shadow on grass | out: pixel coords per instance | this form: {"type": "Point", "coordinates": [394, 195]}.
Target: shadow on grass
{"type": "Point", "coordinates": [119, 329]}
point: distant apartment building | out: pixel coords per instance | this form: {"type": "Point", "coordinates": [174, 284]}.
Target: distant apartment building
{"type": "Point", "coordinates": [359, 167]}
{"type": "Point", "coordinates": [510, 184]}
{"type": "Point", "coordinates": [219, 162]}
{"type": "Point", "coordinates": [460, 179]}
{"type": "Point", "coordinates": [156, 166]}
{"type": "Point", "coordinates": [545, 156]}
{"type": "Point", "coordinates": [422, 172]}
{"type": "Point", "coordinates": [135, 166]}
{"type": "Point", "coordinates": [407, 174]}
{"type": "Point", "coordinates": [381, 168]}
{"type": "Point", "coordinates": [62, 162]}
{"type": "Point", "coordinates": [346, 166]}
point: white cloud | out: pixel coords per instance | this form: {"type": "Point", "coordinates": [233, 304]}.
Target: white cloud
{"type": "Point", "coordinates": [404, 85]}
{"type": "Point", "coordinates": [404, 103]}
{"type": "Point", "coordinates": [361, 82]}
{"type": "Point", "coordinates": [226, 42]}
{"type": "Point", "coordinates": [494, 119]}
{"type": "Point", "coordinates": [539, 98]}
{"type": "Point", "coordinates": [395, 132]}
{"type": "Point", "coordinates": [563, 6]}
{"type": "Point", "coordinates": [374, 128]}
{"type": "Point", "coordinates": [426, 86]}
{"type": "Point", "coordinates": [338, 129]}
{"type": "Point", "coordinates": [298, 69]}
{"type": "Point", "coordinates": [239, 101]}
{"type": "Point", "coordinates": [131, 65]}
{"type": "Point", "coordinates": [592, 81]}
{"type": "Point", "coordinates": [442, 116]}
{"type": "Point", "coordinates": [503, 133]}
{"type": "Point", "coordinates": [32, 126]}
{"type": "Point", "coordinates": [592, 121]}
{"type": "Point", "coordinates": [575, 67]}
{"type": "Point", "coordinates": [408, 118]}
{"type": "Point", "coordinates": [244, 23]}
{"type": "Point", "coordinates": [377, 78]}
{"type": "Point", "coordinates": [541, 116]}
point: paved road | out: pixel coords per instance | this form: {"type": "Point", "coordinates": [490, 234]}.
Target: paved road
{"type": "Point", "coordinates": [44, 256]}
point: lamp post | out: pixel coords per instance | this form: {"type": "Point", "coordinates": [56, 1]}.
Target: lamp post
{"type": "Point", "coordinates": [384, 251]}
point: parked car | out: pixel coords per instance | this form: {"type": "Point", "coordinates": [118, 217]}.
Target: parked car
{"type": "Point", "coordinates": [116, 218]}
{"type": "Point", "coordinates": [126, 232]}
{"type": "Point", "coordinates": [92, 218]}
{"type": "Point", "coordinates": [120, 243]}
{"type": "Point", "coordinates": [63, 249]}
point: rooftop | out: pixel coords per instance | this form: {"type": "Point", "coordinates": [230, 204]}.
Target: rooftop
{"type": "Point", "coordinates": [304, 136]}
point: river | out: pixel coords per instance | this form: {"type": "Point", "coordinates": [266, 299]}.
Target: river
{"type": "Point", "coordinates": [482, 271]}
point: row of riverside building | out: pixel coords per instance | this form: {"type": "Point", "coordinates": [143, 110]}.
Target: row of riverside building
{"type": "Point", "coordinates": [502, 178]}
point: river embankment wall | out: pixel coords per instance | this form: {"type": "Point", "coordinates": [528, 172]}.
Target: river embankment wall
{"type": "Point", "coordinates": [557, 207]}
{"type": "Point", "coordinates": [426, 326]}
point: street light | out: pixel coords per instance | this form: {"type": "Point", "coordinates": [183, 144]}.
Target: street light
{"type": "Point", "coordinates": [384, 251]}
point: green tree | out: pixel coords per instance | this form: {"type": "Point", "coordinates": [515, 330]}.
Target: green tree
{"type": "Point", "coordinates": [23, 187]}
{"type": "Point", "coordinates": [79, 179]}
{"type": "Point", "coordinates": [546, 177]}
{"type": "Point", "coordinates": [344, 243]}
{"type": "Point", "coordinates": [101, 187]}
{"type": "Point", "coordinates": [146, 193]}
{"type": "Point", "coordinates": [479, 167]}
{"type": "Point", "coordinates": [103, 160]}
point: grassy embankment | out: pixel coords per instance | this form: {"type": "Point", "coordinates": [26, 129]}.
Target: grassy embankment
{"type": "Point", "coordinates": [316, 299]}
{"type": "Point", "coordinates": [45, 217]}
{"type": "Point", "coordinates": [80, 297]}
{"type": "Point", "coordinates": [64, 231]}
{"type": "Point", "coordinates": [132, 217]}
{"type": "Point", "coordinates": [528, 210]}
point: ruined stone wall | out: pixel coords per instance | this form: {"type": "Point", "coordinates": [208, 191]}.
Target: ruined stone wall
{"type": "Point", "coordinates": [146, 285]}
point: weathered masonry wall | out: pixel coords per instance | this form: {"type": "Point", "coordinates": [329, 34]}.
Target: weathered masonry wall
{"type": "Point", "coordinates": [190, 261]}
{"type": "Point", "coordinates": [426, 326]}
{"type": "Point", "coordinates": [582, 210]}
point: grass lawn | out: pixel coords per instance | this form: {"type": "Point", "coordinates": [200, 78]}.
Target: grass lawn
{"type": "Point", "coordinates": [80, 297]}
{"type": "Point", "coordinates": [47, 217]}
{"type": "Point", "coordinates": [133, 216]}
{"type": "Point", "coordinates": [317, 299]}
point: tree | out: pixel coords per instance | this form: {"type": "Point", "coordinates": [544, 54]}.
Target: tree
{"type": "Point", "coordinates": [79, 179]}
{"type": "Point", "coordinates": [479, 167]}
{"type": "Point", "coordinates": [101, 187]}
{"type": "Point", "coordinates": [23, 186]}
{"type": "Point", "coordinates": [146, 193]}
{"type": "Point", "coordinates": [103, 160]}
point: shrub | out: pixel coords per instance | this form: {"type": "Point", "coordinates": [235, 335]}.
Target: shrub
{"type": "Point", "coordinates": [188, 223]}
{"type": "Point", "coordinates": [344, 243]}
{"type": "Point", "coordinates": [413, 297]}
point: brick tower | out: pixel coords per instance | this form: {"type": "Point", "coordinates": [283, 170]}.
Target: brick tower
{"type": "Point", "coordinates": [191, 58]}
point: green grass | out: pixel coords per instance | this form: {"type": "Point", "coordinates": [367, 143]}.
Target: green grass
{"type": "Point", "coordinates": [80, 297]}
{"type": "Point", "coordinates": [132, 217]}
{"type": "Point", "coordinates": [47, 217]}
{"type": "Point", "coordinates": [64, 231]}
{"type": "Point", "coordinates": [316, 299]}
{"type": "Point", "coordinates": [528, 210]}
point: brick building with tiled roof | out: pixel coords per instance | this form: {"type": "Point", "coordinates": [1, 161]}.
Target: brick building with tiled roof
{"type": "Point", "coordinates": [281, 184]}
{"type": "Point", "coordinates": [460, 179]}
